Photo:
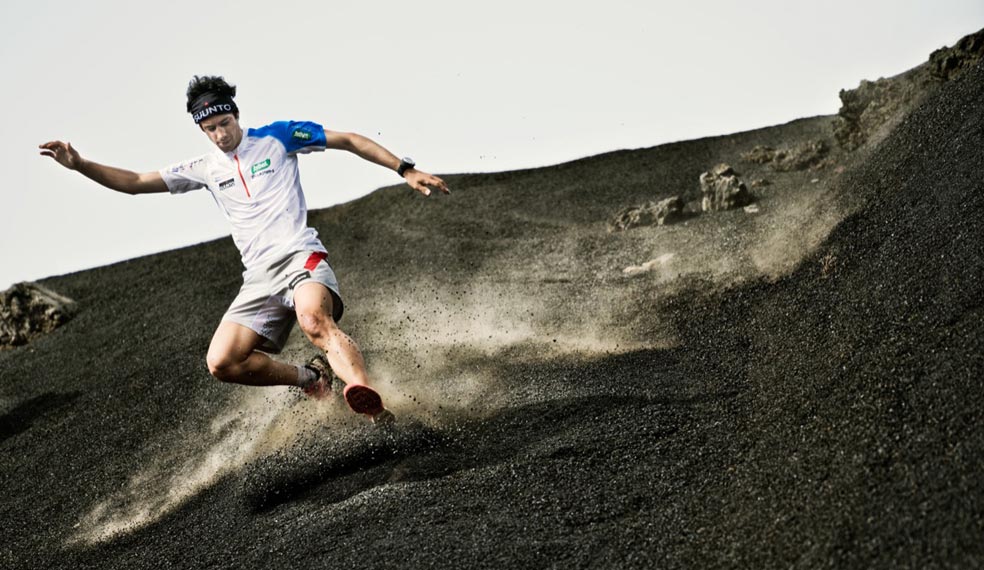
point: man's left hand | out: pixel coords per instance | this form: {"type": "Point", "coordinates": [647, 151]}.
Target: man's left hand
{"type": "Point", "coordinates": [423, 182]}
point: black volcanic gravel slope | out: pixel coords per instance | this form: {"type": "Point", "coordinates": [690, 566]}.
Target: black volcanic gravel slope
{"type": "Point", "coordinates": [860, 441]}
{"type": "Point", "coordinates": [829, 418]}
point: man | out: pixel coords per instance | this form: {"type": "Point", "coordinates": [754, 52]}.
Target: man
{"type": "Point", "coordinates": [253, 177]}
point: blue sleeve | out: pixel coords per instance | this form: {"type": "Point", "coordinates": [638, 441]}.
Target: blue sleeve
{"type": "Point", "coordinates": [296, 136]}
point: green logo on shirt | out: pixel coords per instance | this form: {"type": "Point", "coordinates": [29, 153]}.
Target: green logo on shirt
{"type": "Point", "coordinates": [301, 135]}
{"type": "Point", "coordinates": [260, 166]}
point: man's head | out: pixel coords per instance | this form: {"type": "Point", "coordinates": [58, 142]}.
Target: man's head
{"type": "Point", "coordinates": [211, 104]}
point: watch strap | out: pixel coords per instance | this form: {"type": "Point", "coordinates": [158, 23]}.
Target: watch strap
{"type": "Point", "coordinates": [405, 164]}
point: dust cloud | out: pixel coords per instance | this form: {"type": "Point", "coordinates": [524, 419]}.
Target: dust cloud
{"type": "Point", "coordinates": [259, 421]}
{"type": "Point", "coordinates": [424, 356]}
{"type": "Point", "coordinates": [799, 226]}
{"type": "Point", "coordinates": [437, 353]}
{"type": "Point", "coordinates": [769, 242]}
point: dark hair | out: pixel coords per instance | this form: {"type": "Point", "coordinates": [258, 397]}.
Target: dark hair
{"type": "Point", "coordinates": [208, 84]}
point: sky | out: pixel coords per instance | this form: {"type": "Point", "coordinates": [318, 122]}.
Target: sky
{"type": "Point", "coordinates": [458, 86]}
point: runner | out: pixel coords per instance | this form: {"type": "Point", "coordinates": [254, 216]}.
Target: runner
{"type": "Point", "coordinates": [253, 177]}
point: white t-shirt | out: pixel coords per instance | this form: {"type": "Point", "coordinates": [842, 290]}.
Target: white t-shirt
{"type": "Point", "coordinates": [258, 188]}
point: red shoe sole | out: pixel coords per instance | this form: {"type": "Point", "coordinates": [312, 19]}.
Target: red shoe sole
{"type": "Point", "coordinates": [363, 399]}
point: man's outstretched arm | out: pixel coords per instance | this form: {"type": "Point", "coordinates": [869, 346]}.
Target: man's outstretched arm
{"type": "Point", "coordinates": [374, 152]}
{"type": "Point", "coordinates": [117, 179]}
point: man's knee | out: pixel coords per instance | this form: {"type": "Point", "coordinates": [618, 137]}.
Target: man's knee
{"type": "Point", "coordinates": [314, 304]}
{"type": "Point", "coordinates": [230, 349]}
{"type": "Point", "coordinates": [316, 324]}
{"type": "Point", "coordinates": [222, 366]}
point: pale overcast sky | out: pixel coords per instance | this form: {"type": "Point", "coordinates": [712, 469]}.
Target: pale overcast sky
{"type": "Point", "coordinates": [504, 85]}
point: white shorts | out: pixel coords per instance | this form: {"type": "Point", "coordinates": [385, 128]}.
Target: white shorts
{"type": "Point", "coordinates": [265, 302]}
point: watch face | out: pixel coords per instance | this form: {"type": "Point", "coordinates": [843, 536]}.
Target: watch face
{"type": "Point", "coordinates": [409, 162]}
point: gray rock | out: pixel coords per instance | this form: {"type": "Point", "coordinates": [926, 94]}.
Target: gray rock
{"type": "Point", "coordinates": [28, 310]}
{"type": "Point", "coordinates": [761, 154]}
{"type": "Point", "coordinates": [653, 213]}
{"type": "Point", "coordinates": [669, 210]}
{"type": "Point", "coordinates": [871, 109]}
{"type": "Point", "coordinates": [723, 190]}
{"type": "Point", "coordinates": [810, 154]}
{"type": "Point", "coordinates": [874, 105]}
{"type": "Point", "coordinates": [947, 63]}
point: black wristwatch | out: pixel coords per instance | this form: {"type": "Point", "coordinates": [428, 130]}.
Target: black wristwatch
{"type": "Point", "coordinates": [405, 164]}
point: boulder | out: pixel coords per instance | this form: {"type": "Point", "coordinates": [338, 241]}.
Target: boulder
{"type": "Point", "coordinates": [723, 190]}
{"type": "Point", "coordinates": [28, 310]}
{"type": "Point", "coordinates": [653, 213]}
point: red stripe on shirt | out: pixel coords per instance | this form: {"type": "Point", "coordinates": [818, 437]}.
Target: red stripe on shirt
{"type": "Point", "coordinates": [314, 259]}
{"type": "Point", "coordinates": [240, 170]}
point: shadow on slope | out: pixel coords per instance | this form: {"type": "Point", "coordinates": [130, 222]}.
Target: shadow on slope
{"type": "Point", "coordinates": [334, 465]}
{"type": "Point", "coordinates": [24, 414]}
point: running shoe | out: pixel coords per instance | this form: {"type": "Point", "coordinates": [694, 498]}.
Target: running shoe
{"type": "Point", "coordinates": [320, 387]}
{"type": "Point", "coordinates": [363, 399]}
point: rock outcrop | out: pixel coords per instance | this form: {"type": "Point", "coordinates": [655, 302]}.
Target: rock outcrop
{"type": "Point", "coordinates": [28, 310]}
{"type": "Point", "coordinates": [812, 154]}
{"type": "Point", "coordinates": [948, 63]}
{"type": "Point", "coordinates": [874, 105]}
{"type": "Point", "coordinates": [723, 190]}
{"type": "Point", "coordinates": [653, 213]}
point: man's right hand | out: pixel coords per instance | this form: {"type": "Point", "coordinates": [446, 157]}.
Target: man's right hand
{"type": "Point", "coordinates": [63, 153]}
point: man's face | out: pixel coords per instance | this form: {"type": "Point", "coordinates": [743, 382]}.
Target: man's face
{"type": "Point", "coordinates": [223, 130]}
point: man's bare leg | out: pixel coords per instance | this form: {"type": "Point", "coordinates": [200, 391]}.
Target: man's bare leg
{"type": "Point", "coordinates": [314, 303]}
{"type": "Point", "coordinates": [232, 357]}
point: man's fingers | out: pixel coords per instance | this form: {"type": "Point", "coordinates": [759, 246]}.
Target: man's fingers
{"type": "Point", "coordinates": [56, 147]}
{"type": "Point", "coordinates": [439, 184]}
{"type": "Point", "coordinates": [425, 182]}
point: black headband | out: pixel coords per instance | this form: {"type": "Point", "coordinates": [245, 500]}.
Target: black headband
{"type": "Point", "coordinates": [209, 104]}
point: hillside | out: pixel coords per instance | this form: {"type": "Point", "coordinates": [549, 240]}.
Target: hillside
{"type": "Point", "coordinates": [797, 386]}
